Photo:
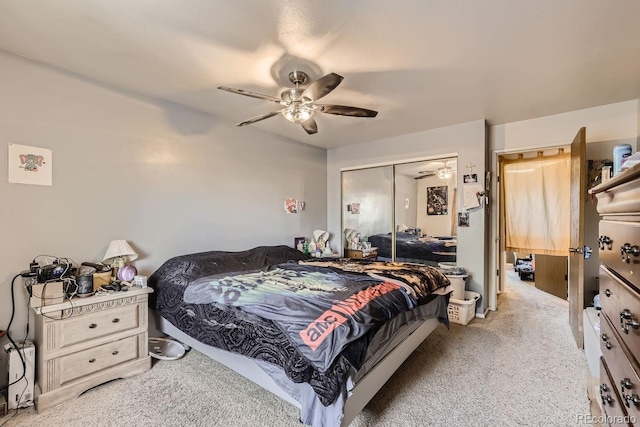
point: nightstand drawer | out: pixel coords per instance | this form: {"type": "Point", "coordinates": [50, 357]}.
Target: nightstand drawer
{"type": "Point", "coordinates": [95, 359]}
{"type": "Point", "coordinates": [93, 325]}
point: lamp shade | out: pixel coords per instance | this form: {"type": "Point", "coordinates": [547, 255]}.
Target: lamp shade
{"type": "Point", "coordinates": [119, 249]}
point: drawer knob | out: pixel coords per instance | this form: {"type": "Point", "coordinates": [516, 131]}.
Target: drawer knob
{"type": "Point", "coordinates": [604, 241]}
{"type": "Point", "coordinates": [606, 399]}
{"type": "Point", "coordinates": [92, 360]}
{"type": "Point", "coordinates": [116, 320]}
{"type": "Point", "coordinates": [608, 293]}
{"type": "Point", "coordinates": [633, 322]}
{"type": "Point", "coordinates": [632, 398]}
{"type": "Point", "coordinates": [625, 383]}
{"type": "Point", "coordinates": [603, 388]}
{"type": "Point", "coordinates": [93, 326]}
{"type": "Point", "coordinates": [605, 339]}
{"type": "Point", "coordinates": [114, 352]}
{"type": "Point", "coordinates": [626, 250]}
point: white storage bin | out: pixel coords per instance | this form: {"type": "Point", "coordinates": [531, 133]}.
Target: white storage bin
{"type": "Point", "coordinates": [462, 311]}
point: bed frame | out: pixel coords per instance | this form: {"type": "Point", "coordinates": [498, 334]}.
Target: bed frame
{"type": "Point", "coordinates": [357, 399]}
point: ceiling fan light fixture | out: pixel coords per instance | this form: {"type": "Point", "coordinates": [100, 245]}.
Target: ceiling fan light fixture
{"type": "Point", "coordinates": [298, 112]}
{"type": "Point", "coordinates": [444, 173]}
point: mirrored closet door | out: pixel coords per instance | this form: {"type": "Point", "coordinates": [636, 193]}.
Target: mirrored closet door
{"type": "Point", "coordinates": [415, 213]}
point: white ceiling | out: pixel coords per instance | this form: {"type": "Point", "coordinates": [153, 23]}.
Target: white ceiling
{"type": "Point", "coordinates": [422, 64]}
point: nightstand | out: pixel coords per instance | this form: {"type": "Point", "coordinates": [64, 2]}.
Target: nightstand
{"type": "Point", "coordinates": [371, 253]}
{"type": "Point", "coordinates": [88, 341]}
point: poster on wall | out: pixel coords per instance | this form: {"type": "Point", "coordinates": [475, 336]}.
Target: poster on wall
{"type": "Point", "coordinates": [437, 200]}
{"type": "Point", "coordinates": [30, 165]}
{"type": "Point", "coordinates": [290, 206]}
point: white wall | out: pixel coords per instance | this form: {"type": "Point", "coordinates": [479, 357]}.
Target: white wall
{"type": "Point", "coordinates": [169, 180]}
{"type": "Point", "coordinates": [617, 123]}
{"type": "Point", "coordinates": [466, 140]}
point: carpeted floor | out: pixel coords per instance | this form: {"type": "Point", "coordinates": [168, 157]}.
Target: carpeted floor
{"type": "Point", "coordinates": [519, 366]}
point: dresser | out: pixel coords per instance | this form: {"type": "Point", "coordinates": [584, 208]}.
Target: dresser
{"type": "Point", "coordinates": [618, 203]}
{"type": "Point", "coordinates": [88, 341]}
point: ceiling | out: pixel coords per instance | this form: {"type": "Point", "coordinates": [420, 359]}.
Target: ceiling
{"type": "Point", "coordinates": [423, 64]}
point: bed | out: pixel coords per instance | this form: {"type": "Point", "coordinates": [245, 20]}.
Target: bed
{"type": "Point", "coordinates": [413, 248]}
{"type": "Point", "coordinates": [324, 335]}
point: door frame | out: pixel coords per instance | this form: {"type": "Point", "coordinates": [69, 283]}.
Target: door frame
{"type": "Point", "coordinates": [498, 285]}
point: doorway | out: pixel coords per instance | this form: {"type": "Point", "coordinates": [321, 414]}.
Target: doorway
{"type": "Point", "coordinates": [526, 256]}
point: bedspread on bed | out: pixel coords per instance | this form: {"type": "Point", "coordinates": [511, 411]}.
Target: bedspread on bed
{"type": "Point", "coordinates": [410, 246]}
{"type": "Point", "coordinates": [250, 327]}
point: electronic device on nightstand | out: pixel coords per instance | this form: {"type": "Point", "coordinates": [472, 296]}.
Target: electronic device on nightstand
{"type": "Point", "coordinates": [20, 394]}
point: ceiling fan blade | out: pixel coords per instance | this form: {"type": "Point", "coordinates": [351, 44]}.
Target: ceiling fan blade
{"type": "Point", "coordinates": [258, 118]}
{"type": "Point", "coordinates": [426, 175]}
{"type": "Point", "coordinates": [322, 86]}
{"type": "Point", "coordinates": [310, 126]}
{"type": "Point", "coordinates": [345, 110]}
{"type": "Point", "coordinates": [251, 94]}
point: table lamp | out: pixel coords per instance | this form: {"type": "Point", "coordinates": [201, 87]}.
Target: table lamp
{"type": "Point", "coordinates": [118, 253]}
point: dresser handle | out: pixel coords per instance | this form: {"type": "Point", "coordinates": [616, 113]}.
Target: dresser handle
{"type": "Point", "coordinates": [604, 241]}
{"type": "Point", "coordinates": [607, 293]}
{"type": "Point", "coordinates": [605, 339]}
{"type": "Point", "coordinates": [92, 360]}
{"type": "Point", "coordinates": [627, 249]}
{"type": "Point", "coordinates": [625, 383]}
{"type": "Point", "coordinates": [116, 320]}
{"type": "Point", "coordinates": [114, 352]}
{"type": "Point", "coordinates": [606, 399]}
{"type": "Point", "coordinates": [633, 322]}
{"type": "Point", "coordinates": [632, 398]}
{"type": "Point", "coordinates": [93, 326]}
{"type": "Point", "coordinates": [603, 388]}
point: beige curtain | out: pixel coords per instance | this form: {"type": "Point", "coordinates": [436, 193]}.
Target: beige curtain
{"type": "Point", "coordinates": [536, 204]}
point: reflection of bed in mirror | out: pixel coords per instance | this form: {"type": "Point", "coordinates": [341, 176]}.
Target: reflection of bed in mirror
{"type": "Point", "coordinates": [413, 248]}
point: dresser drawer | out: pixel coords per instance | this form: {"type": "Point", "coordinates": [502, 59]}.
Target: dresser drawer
{"type": "Point", "coordinates": [609, 396]}
{"type": "Point", "coordinates": [623, 372]}
{"type": "Point", "coordinates": [621, 243]}
{"type": "Point", "coordinates": [621, 304]}
{"type": "Point", "coordinates": [96, 359]}
{"type": "Point", "coordinates": [93, 325]}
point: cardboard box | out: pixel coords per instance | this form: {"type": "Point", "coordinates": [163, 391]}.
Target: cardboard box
{"type": "Point", "coordinates": [100, 279]}
{"type": "Point", "coordinates": [46, 294]}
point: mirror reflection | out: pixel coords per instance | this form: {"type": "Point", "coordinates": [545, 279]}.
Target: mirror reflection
{"type": "Point", "coordinates": [423, 225]}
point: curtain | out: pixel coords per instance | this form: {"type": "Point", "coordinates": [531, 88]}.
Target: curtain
{"type": "Point", "coordinates": [536, 204]}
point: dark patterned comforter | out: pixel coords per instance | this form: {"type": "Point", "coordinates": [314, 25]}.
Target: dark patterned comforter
{"type": "Point", "coordinates": [202, 295]}
{"type": "Point", "coordinates": [411, 247]}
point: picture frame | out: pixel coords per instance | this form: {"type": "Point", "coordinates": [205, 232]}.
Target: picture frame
{"type": "Point", "coordinates": [470, 178]}
{"type": "Point", "coordinates": [437, 200]}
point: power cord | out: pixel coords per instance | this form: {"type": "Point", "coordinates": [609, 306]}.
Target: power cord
{"type": "Point", "coordinates": [13, 312]}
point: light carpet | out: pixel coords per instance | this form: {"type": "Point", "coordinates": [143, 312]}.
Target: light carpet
{"type": "Point", "coordinates": [519, 366]}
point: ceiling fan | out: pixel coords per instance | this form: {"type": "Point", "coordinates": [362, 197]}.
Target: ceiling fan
{"type": "Point", "coordinates": [443, 170]}
{"type": "Point", "coordinates": [299, 105]}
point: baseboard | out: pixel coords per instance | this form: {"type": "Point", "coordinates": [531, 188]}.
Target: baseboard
{"type": "Point", "coordinates": [483, 315]}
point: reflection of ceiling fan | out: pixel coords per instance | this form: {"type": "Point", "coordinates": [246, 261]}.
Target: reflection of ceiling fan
{"type": "Point", "coordinates": [300, 104]}
{"type": "Point", "coordinates": [443, 170]}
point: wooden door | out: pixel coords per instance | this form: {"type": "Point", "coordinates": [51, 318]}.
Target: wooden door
{"type": "Point", "coordinates": [551, 275]}
{"type": "Point", "coordinates": [576, 235]}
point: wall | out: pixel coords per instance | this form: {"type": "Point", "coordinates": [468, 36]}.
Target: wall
{"type": "Point", "coordinates": [613, 123]}
{"type": "Point", "coordinates": [168, 179]}
{"type": "Point", "coordinates": [467, 141]}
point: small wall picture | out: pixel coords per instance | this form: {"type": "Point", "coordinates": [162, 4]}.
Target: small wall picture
{"type": "Point", "coordinates": [30, 165]}
{"type": "Point", "coordinates": [463, 219]}
{"type": "Point", "coordinates": [290, 206]}
{"type": "Point", "coordinates": [471, 178]}
{"type": "Point", "coordinates": [302, 205]}
{"type": "Point", "coordinates": [355, 208]}
{"type": "Point", "coordinates": [437, 200]}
